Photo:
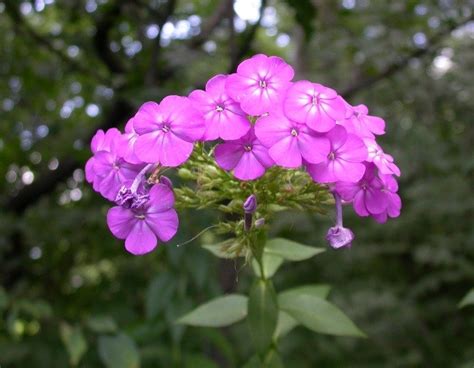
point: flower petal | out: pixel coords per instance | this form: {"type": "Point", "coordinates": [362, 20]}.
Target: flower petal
{"type": "Point", "coordinates": [141, 239]}
{"type": "Point", "coordinates": [164, 224]}
{"type": "Point", "coordinates": [120, 221]}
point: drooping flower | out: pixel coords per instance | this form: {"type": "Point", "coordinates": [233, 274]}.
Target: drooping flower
{"type": "Point", "coordinates": [167, 131]}
{"type": "Point", "coordinates": [315, 105]}
{"type": "Point", "coordinates": [394, 202]}
{"type": "Point", "coordinates": [368, 195]}
{"type": "Point", "coordinates": [260, 83]}
{"type": "Point", "coordinates": [107, 170]}
{"type": "Point", "coordinates": [338, 236]}
{"type": "Point", "coordinates": [223, 116]}
{"type": "Point", "coordinates": [382, 160]}
{"type": "Point", "coordinates": [126, 147]}
{"type": "Point", "coordinates": [144, 226]}
{"type": "Point", "coordinates": [113, 172]}
{"type": "Point", "coordinates": [290, 142]}
{"type": "Point", "coordinates": [247, 157]}
{"type": "Point", "coordinates": [344, 161]}
{"type": "Point", "coordinates": [101, 141]}
{"type": "Point", "coordinates": [362, 124]}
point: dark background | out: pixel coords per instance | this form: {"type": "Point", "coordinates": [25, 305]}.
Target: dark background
{"type": "Point", "coordinates": [70, 67]}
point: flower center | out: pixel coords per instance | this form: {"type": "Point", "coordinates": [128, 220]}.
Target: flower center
{"type": "Point", "coordinates": [165, 128]}
{"type": "Point", "coordinates": [294, 132]}
{"type": "Point", "coordinates": [314, 100]}
{"type": "Point", "coordinates": [247, 148]}
{"type": "Point", "coordinates": [140, 217]}
{"type": "Point", "coordinates": [262, 83]}
{"type": "Point", "coordinates": [332, 156]}
{"type": "Point", "coordinates": [219, 108]}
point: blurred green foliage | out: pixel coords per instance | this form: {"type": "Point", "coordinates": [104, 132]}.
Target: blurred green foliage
{"type": "Point", "coordinates": [71, 296]}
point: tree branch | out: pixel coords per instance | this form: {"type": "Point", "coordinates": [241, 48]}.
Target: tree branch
{"type": "Point", "coordinates": [396, 66]}
{"type": "Point", "coordinates": [212, 23]}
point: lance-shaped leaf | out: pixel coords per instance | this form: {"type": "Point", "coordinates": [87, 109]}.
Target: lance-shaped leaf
{"type": "Point", "coordinates": [118, 352]}
{"type": "Point", "coordinates": [467, 300]}
{"type": "Point", "coordinates": [219, 249]}
{"type": "Point", "coordinates": [319, 290]}
{"type": "Point", "coordinates": [290, 250]}
{"type": "Point", "coordinates": [270, 264]}
{"type": "Point", "coordinates": [319, 315]}
{"type": "Point", "coordinates": [286, 322]}
{"type": "Point", "coordinates": [263, 314]}
{"type": "Point", "coordinates": [73, 339]}
{"type": "Point", "coordinates": [219, 312]}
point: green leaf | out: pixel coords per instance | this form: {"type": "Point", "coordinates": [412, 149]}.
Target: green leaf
{"type": "Point", "coordinates": [218, 249]}
{"type": "Point", "coordinates": [270, 262]}
{"type": "Point", "coordinates": [101, 324]}
{"type": "Point", "coordinates": [263, 314]}
{"type": "Point", "coordinates": [273, 360]}
{"type": "Point", "coordinates": [219, 312]}
{"type": "Point", "coordinates": [74, 341]}
{"type": "Point", "coordinates": [285, 324]}
{"type": "Point", "coordinates": [319, 315]}
{"type": "Point", "coordinates": [118, 352]}
{"type": "Point", "coordinates": [159, 292]}
{"type": "Point", "coordinates": [291, 250]}
{"type": "Point", "coordinates": [467, 300]}
{"type": "Point", "coordinates": [319, 290]}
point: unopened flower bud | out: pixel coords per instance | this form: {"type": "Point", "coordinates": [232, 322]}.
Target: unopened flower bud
{"type": "Point", "coordinates": [186, 174]}
{"type": "Point", "coordinates": [339, 237]}
{"type": "Point", "coordinates": [250, 204]}
{"type": "Point", "coordinates": [259, 222]}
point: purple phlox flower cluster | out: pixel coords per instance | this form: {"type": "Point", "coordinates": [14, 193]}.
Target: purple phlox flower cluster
{"type": "Point", "coordinates": [259, 118]}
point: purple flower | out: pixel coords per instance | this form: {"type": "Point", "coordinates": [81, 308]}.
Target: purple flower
{"type": "Point", "coordinates": [368, 195]}
{"type": "Point", "coordinates": [260, 83]}
{"type": "Point", "coordinates": [112, 172]}
{"type": "Point", "coordinates": [167, 131]}
{"type": "Point", "coordinates": [290, 142]}
{"type": "Point", "coordinates": [100, 142]}
{"type": "Point", "coordinates": [107, 170]}
{"type": "Point", "coordinates": [344, 161]}
{"type": "Point", "coordinates": [223, 116]}
{"type": "Point", "coordinates": [315, 105]}
{"type": "Point", "coordinates": [361, 124]}
{"type": "Point", "coordinates": [126, 148]}
{"type": "Point", "coordinates": [383, 161]}
{"type": "Point", "coordinates": [246, 156]}
{"type": "Point", "coordinates": [250, 204]}
{"type": "Point", "coordinates": [394, 202]}
{"type": "Point", "coordinates": [338, 237]}
{"type": "Point", "coordinates": [143, 227]}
